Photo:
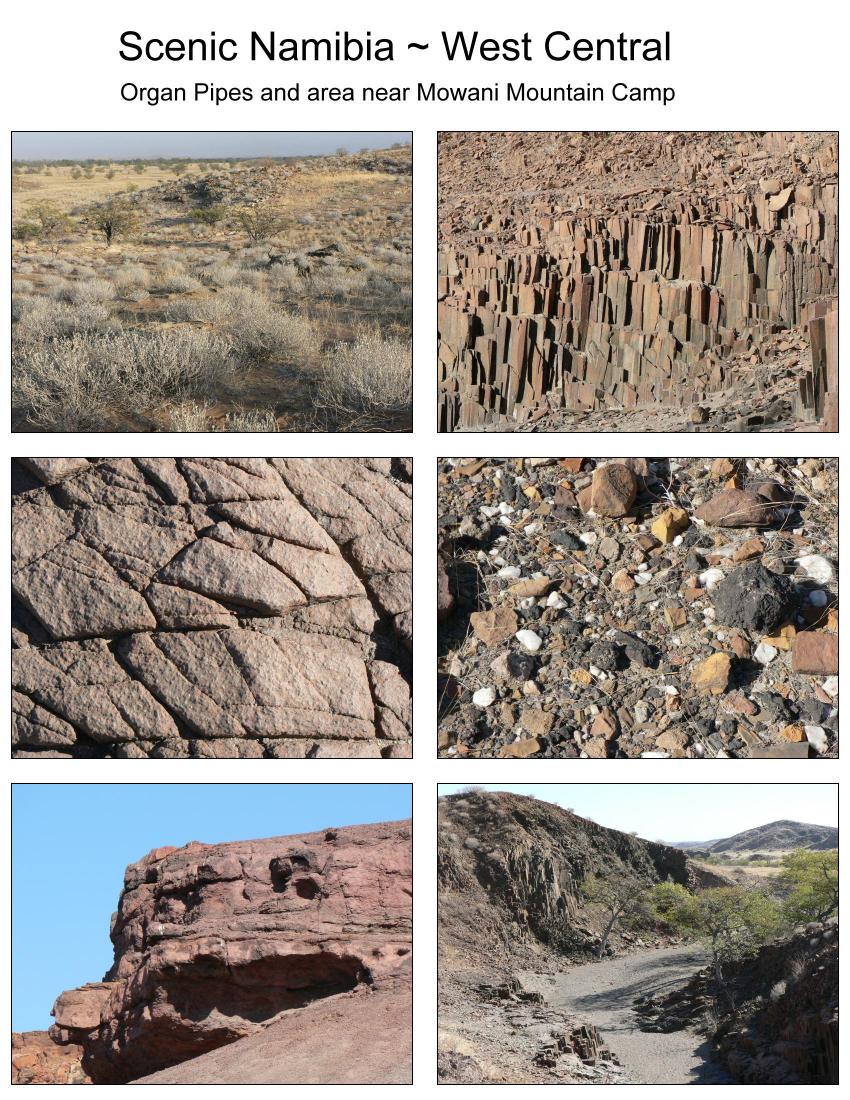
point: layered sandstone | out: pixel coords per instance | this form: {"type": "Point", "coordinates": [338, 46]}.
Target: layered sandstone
{"type": "Point", "coordinates": [628, 271]}
{"type": "Point", "coordinates": [211, 607]}
{"type": "Point", "coordinates": [217, 943]}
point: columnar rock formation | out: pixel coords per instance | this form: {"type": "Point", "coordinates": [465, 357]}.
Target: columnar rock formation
{"type": "Point", "coordinates": [565, 294]}
{"type": "Point", "coordinates": [214, 943]}
{"type": "Point", "coordinates": [211, 607]}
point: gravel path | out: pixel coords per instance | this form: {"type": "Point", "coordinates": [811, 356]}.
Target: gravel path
{"type": "Point", "coordinates": [603, 994]}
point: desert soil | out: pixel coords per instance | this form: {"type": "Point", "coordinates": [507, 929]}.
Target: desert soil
{"type": "Point", "coordinates": [574, 626]}
{"type": "Point", "coordinates": [603, 994]}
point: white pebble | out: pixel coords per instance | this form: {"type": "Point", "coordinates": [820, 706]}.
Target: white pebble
{"type": "Point", "coordinates": [527, 603]}
{"type": "Point", "coordinates": [765, 653]}
{"type": "Point", "coordinates": [670, 690]}
{"type": "Point", "coordinates": [678, 540]}
{"type": "Point", "coordinates": [505, 508]}
{"type": "Point", "coordinates": [588, 537]}
{"type": "Point", "coordinates": [643, 568]}
{"type": "Point", "coordinates": [710, 578]}
{"type": "Point", "coordinates": [830, 686]}
{"type": "Point", "coordinates": [642, 578]}
{"type": "Point", "coordinates": [511, 571]}
{"type": "Point", "coordinates": [529, 640]}
{"type": "Point", "coordinates": [816, 736]}
{"type": "Point", "coordinates": [484, 697]}
{"type": "Point", "coordinates": [656, 754]}
{"type": "Point", "coordinates": [818, 598]}
{"type": "Point", "coordinates": [817, 568]}
{"type": "Point", "coordinates": [489, 510]}
{"type": "Point", "coordinates": [556, 600]}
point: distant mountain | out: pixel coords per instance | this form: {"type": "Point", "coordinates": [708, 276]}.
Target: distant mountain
{"type": "Point", "coordinates": [777, 836]}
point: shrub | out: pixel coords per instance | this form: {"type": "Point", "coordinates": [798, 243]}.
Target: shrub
{"type": "Point", "coordinates": [367, 384]}
{"type": "Point", "coordinates": [42, 319]}
{"type": "Point", "coordinates": [131, 277]}
{"type": "Point", "coordinates": [172, 278]}
{"type": "Point", "coordinates": [260, 222]}
{"type": "Point", "coordinates": [210, 215]}
{"type": "Point", "coordinates": [89, 290]}
{"type": "Point", "coordinates": [87, 381]}
{"type": "Point", "coordinates": [114, 219]}
{"type": "Point", "coordinates": [253, 420]}
{"type": "Point", "coordinates": [26, 232]}
{"type": "Point", "coordinates": [256, 327]}
{"type": "Point", "coordinates": [221, 274]}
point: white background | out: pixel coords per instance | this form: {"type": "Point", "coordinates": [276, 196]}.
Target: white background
{"type": "Point", "coordinates": [735, 66]}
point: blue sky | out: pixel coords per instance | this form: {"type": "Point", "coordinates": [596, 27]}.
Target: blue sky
{"type": "Point", "coordinates": [72, 841]}
{"type": "Point", "coordinates": [128, 144]}
{"type": "Point", "coordinates": [684, 811]}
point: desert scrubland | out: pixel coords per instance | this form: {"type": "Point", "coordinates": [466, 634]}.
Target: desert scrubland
{"type": "Point", "coordinates": [243, 295]}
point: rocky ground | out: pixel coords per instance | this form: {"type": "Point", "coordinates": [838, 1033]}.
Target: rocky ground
{"type": "Point", "coordinates": [783, 1028]}
{"type": "Point", "coordinates": [214, 944]}
{"type": "Point", "coordinates": [211, 608]}
{"type": "Point", "coordinates": [638, 608]}
{"type": "Point", "coordinates": [604, 993]}
{"type": "Point", "coordinates": [509, 875]}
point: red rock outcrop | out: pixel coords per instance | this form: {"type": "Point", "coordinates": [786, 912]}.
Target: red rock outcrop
{"type": "Point", "coordinates": [211, 607]}
{"type": "Point", "coordinates": [214, 943]}
{"type": "Point", "coordinates": [38, 1060]}
{"type": "Point", "coordinates": [651, 269]}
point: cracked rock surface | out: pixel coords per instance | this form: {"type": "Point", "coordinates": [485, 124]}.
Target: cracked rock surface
{"type": "Point", "coordinates": [211, 607]}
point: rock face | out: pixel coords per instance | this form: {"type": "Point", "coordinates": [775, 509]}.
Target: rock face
{"type": "Point", "coordinates": [211, 607]}
{"type": "Point", "coordinates": [784, 1030]}
{"type": "Point", "coordinates": [348, 1039]}
{"type": "Point", "coordinates": [38, 1060]}
{"type": "Point", "coordinates": [526, 860]}
{"type": "Point", "coordinates": [510, 875]}
{"type": "Point", "coordinates": [645, 271]}
{"type": "Point", "coordinates": [214, 943]}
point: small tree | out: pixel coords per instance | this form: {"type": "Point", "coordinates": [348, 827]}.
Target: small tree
{"type": "Point", "coordinates": [730, 921]}
{"type": "Point", "coordinates": [260, 222]}
{"type": "Point", "coordinates": [811, 879]}
{"type": "Point", "coordinates": [52, 223]}
{"type": "Point", "coordinates": [115, 219]}
{"type": "Point", "coordinates": [622, 898]}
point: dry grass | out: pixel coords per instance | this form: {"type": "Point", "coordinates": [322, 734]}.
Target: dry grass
{"type": "Point", "coordinates": [304, 343]}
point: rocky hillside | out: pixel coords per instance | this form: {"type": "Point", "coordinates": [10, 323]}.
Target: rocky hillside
{"type": "Point", "coordinates": [510, 870]}
{"type": "Point", "coordinates": [783, 836]}
{"type": "Point", "coordinates": [520, 863]}
{"type": "Point", "coordinates": [216, 943]}
{"type": "Point", "coordinates": [180, 607]}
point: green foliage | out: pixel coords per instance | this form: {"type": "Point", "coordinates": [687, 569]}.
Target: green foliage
{"type": "Point", "coordinates": [730, 921]}
{"type": "Point", "coordinates": [811, 879]}
{"type": "Point", "coordinates": [623, 900]}
{"type": "Point", "coordinates": [210, 215]}
{"type": "Point", "coordinates": [26, 232]}
{"type": "Point", "coordinates": [46, 223]}
{"type": "Point", "coordinates": [114, 219]}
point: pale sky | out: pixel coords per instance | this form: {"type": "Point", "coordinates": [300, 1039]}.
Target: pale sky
{"type": "Point", "coordinates": [131, 144]}
{"type": "Point", "coordinates": [677, 812]}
